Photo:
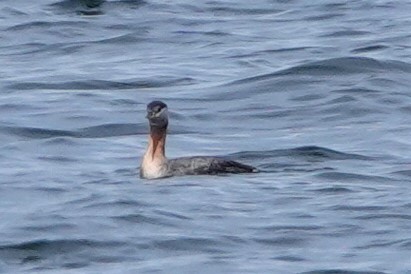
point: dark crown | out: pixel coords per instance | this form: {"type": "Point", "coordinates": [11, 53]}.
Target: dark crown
{"type": "Point", "coordinates": [156, 106]}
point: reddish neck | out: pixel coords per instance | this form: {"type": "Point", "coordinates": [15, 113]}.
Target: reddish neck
{"type": "Point", "coordinates": [157, 142]}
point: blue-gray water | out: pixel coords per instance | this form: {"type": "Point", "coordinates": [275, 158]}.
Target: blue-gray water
{"type": "Point", "coordinates": [316, 94]}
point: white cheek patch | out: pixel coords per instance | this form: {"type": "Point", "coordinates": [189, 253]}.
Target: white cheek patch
{"type": "Point", "coordinates": [163, 113]}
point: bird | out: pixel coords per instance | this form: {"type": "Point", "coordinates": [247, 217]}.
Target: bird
{"type": "Point", "coordinates": [155, 164]}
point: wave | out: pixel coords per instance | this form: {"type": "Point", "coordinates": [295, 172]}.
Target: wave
{"type": "Point", "coordinates": [352, 177]}
{"type": "Point", "coordinates": [57, 246]}
{"type": "Point", "coordinates": [195, 244]}
{"type": "Point", "coordinates": [333, 190]}
{"type": "Point", "coordinates": [332, 66]}
{"type": "Point", "coordinates": [93, 7]}
{"type": "Point", "coordinates": [100, 131]}
{"type": "Point", "coordinates": [369, 48]}
{"type": "Point", "coordinates": [312, 152]}
{"type": "Point", "coordinates": [42, 249]}
{"type": "Point", "coordinates": [341, 271]}
{"type": "Point", "coordinates": [101, 84]}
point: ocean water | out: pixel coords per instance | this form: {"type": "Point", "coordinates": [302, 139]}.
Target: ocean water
{"type": "Point", "coordinates": [316, 94]}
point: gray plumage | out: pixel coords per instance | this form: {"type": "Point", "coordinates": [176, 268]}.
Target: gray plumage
{"type": "Point", "coordinates": [205, 165]}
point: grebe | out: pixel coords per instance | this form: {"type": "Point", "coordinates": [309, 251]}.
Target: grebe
{"type": "Point", "coordinates": [156, 165]}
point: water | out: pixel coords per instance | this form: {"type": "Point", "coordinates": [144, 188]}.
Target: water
{"type": "Point", "coordinates": [316, 95]}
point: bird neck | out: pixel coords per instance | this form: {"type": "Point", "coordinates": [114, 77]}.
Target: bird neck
{"type": "Point", "coordinates": [157, 141]}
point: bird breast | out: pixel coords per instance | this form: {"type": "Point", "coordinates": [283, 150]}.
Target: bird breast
{"type": "Point", "coordinates": [153, 167]}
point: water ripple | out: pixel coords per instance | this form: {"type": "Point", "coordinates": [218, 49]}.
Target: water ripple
{"type": "Point", "coordinates": [194, 244]}
{"type": "Point", "coordinates": [309, 152]}
{"type": "Point", "coordinates": [99, 84]}
{"type": "Point", "coordinates": [341, 271]}
{"type": "Point", "coordinates": [45, 249]}
{"type": "Point", "coordinates": [333, 66]}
